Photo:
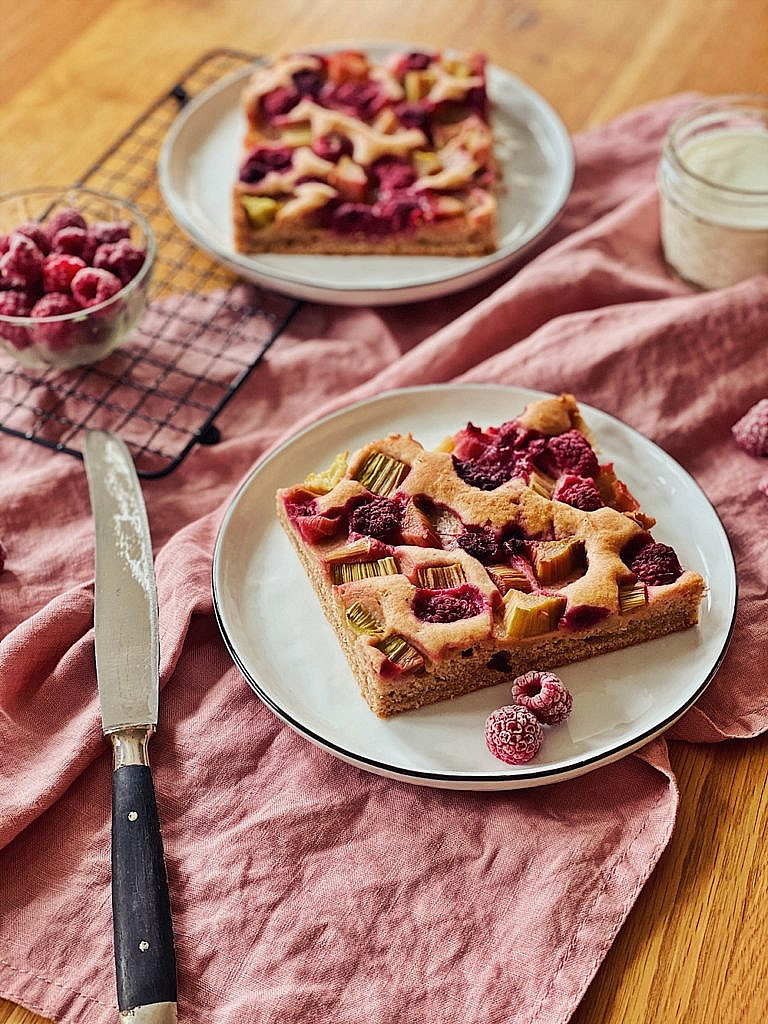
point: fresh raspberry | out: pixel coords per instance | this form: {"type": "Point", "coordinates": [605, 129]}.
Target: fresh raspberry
{"type": "Point", "coordinates": [3, 556]}
{"type": "Point", "coordinates": [571, 453]}
{"type": "Point", "coordinates": [4, 243]}
{"type": "Point", "coordinates": [74, 242]}
{"type": "Point", "coordinates": [58, 271]}
{"type": "Point", "coordinates": [54, 304]}
{"type": "Point", "coordinates": [479, 542]}
{"type": "Point", "coordinates": [19, 336]}
{"type": "Point", "coordinates": [763, 487]}
{"type": "Point", "coordinates": [57, 334]}
{"type": "Point", "coordinates": [579, 492]}
{"type": "Point", "coordinates": [22, 265]}
{"type": "Point", "coordinates": [67, 218]}
{"type": "Point", "coordinates": [544, 695]}
{"type": "Point", "coordinates": [656, 564]}
{"type": "Point", "coordinates": [102, 231]}
{"type": "Point", "coordinates": [38, 235]}
{"type": "Point", "coordinates": [751, 431]}
{"type": "Point", "coordinates": [447, 605]}
{"type": "Point", "coordinates": [91, 286]}
{"type": "Point", "coordinates": [120, 258]}
{"type": "Point", "coordinates": [279, 101]}
{"type": "Point", "coordinates": [332, 146]}
{"type": "Point", "coordinates": [513, 734]}
{"type": "Point", "coordinates": [15, 303]}
{"type": "Point", "coordinates": [260, 161]}
{"type": "Point", "coordinates": [379, 518]}
{"type": "Point", "coordinates": [392, 173]}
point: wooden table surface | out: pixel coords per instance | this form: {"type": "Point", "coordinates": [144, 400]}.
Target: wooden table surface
{"type": "Point", "coordinates": [76, 73]}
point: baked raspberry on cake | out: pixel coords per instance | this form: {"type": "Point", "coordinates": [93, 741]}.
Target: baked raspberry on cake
{"type": "Point", "coordinates": [508, 549]}
{"type": "Point", "coordinates": [344, 155]}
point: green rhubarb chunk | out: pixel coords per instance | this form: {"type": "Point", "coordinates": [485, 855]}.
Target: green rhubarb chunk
{"type": "Point", "coordinates": [382, 474]}
{"type": "Point", "coordinates": [632, 596]}
{"type": "Point", "coordinates": [531, 614]}
{"type": "Point", "coordinates": [351, 572]}
{"type": "Point", "coordinates": [362, 621]}
{"type": "Point", "coordinates": [400, 653]}
{"type": "Point", "coordinates": [441, 577]}
{"type": "Point", "coordinates": [260, 210]}
{"type": "Point", "coordinates": [555, 560]}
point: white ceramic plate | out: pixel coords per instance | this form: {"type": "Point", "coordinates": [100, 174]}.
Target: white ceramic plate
{"type": "Point", "coordinates": [278, 636]}
{"type": "Point", "coordinates": [203, 148]}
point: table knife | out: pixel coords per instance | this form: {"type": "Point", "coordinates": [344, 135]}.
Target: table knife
{"type": "Point", "coordinates": [127, 668]}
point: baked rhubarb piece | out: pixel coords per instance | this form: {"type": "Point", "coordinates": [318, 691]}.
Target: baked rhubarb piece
{"type": "Point", "coordinates": [343, 155]}
{"type": "Point", "coordinates": [509, 549]}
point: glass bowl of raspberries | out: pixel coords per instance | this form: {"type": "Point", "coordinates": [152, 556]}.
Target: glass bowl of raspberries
{"type": "Point", "coordinates": [75, 267]}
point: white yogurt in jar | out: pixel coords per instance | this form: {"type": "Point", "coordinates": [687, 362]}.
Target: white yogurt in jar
{"type": "Point", "coordinates": [713, 179]}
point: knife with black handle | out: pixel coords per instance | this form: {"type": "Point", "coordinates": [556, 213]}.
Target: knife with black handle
{"type": "Point", "coordinates": [127, 668]}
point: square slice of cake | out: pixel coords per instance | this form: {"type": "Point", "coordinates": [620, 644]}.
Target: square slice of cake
{"type": "Point", "coordinates": [344, 155]}
{"type": "Point", "coordinates": [508, 549]}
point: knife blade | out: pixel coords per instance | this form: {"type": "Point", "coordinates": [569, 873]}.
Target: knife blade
{"type": "Point", "coordinates": [127, 670]}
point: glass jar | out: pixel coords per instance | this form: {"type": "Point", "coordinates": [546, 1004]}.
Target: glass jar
{"type": "Point", "coordinates": [713, 180]}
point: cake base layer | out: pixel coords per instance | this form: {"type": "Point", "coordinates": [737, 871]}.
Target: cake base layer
{"type": "Point", "coordinates": [457, 237]}
{"type": "Point", "coordinates": [323, 243]}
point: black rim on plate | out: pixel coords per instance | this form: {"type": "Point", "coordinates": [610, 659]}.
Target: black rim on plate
{"type": "Point", "coordinates": [604, 757]}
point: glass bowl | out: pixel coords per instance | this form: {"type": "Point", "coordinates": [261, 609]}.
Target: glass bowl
{"type": "Point", "coordinates": [89, 334]}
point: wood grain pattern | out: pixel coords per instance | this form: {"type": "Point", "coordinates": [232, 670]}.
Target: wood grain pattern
{"type": "Point", "coordinates": [692, 949]}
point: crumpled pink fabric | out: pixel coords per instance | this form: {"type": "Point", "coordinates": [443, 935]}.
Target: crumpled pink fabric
{"type": "Point", "coordinates": [304, 889]}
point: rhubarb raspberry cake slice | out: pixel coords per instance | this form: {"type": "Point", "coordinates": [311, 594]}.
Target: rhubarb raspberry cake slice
{"type": "Point", "coordinates": [344, 155]}
{"type": "Point", "coordinates": [508, 549]}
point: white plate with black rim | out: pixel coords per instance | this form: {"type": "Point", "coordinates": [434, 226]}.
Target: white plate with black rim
{"type": "Point", "coordinates": [198, 164]}
{"type": "Point", "coordinates": [278, 636]}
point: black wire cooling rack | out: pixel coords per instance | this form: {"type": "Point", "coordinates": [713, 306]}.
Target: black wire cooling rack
{"type": "Point", "coordinates": [202, 335]}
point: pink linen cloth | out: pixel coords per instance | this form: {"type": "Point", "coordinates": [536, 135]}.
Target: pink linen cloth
{"type": "Point", "coordinates": [302, 888]}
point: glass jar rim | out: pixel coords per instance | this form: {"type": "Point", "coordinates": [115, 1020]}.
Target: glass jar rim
{"type": "Point", "coordinates": [714, 105]}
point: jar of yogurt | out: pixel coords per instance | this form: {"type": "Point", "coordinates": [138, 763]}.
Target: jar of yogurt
{"type": "Point", "coordinates": [713, 179]}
